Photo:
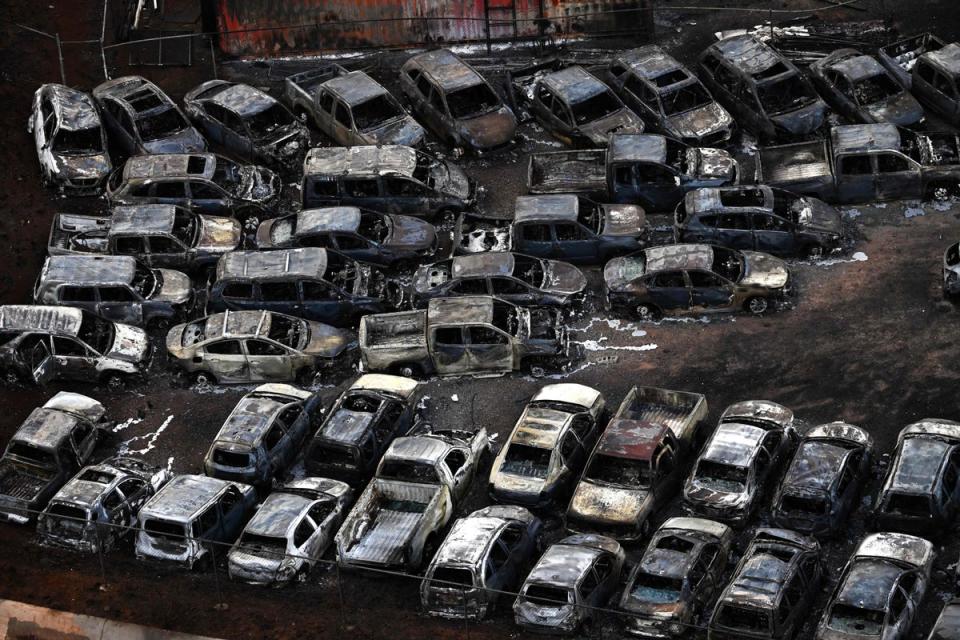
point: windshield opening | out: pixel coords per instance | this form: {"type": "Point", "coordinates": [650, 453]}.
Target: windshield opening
{"type": "Point", "coordinates": [258, 545]}
{"type": "Point", "coordinates": [470, 102]}
{"type": "Point", "coordinates": [620, 471]}
{"type": "Point", "coordinates": [227, 174]}
{"type": "Point", "coordinates": [169, 531]}
{"type": "Point", "coordinates": [374, 226]}
{"type": "Point", "coordinates": [675, 543]}
{"type": "Point", "coordinates": [32, 454]}
{"type": "Point", "coordinates": [505, 317]}
{"type": "Point", "coordinates": [227, 458]}
{"type": "Point", "coordinates": [428, 169]}
{"type": "Point", "coordinates": [876, 89]}
{"type": "Point", "coordinates": [546, 595]}
{"type": "Point", "coordinates": [341, 271]}
{"type": "Point", "coordinates": [265, 123]}
{"type": "Point", "coordinates": [784, 95]}
{"type": "Point", "coordinates": [528, 269]}
{"type": "Point", "coordinates": [95, 475]}
{"type": "Point", "coordinates": [161, 125]}
{"type": "Point", "coordinates": [96, 333]}
{"type": "Point", "coordinates": [524, 460]}
{"type": "Point", "coordinates": [908, 504]}
{"type": "Point", "coordinates": [376, 111]}
{"type": "Point", "coordinates": [692, 96]}
{"type": "Point", "coordinates": [728, 264]}
{"type": "Point", "coordinates": [804, 504]}
{"type": "Point", "coordinates": [657, 589]}
{"type": "Point", "coordinates": [855, 620]}
{"type": "Point", "coordinates": [409, 471]}
{"type": "Point", "coordinates": [186, 228]}
{"type": "Point", "coordinates": [670, 77]}
{"type": "Point", "coordinates": [288, 331]}
{"type": "Point", "coordinates": [333, 455]}
{"type": "Point", "coordinates": [361, 403]}
{"type": "Point", "coordinates": [744, 197]}
{"type": "Point", "coordinates": [595, 107]}
{"type": "Point", "coordinates": [723, 477]}
{"type": "Point", "coordinates": [734, 617]}
{"type": "Point", "coordinates": [455, 575]}
{"type": "Point", "coordinates": [145, 281]}
{"type": "Point", "coordinates": [78, 142]}
{"type": "Point", "coordinates": [590, 216]}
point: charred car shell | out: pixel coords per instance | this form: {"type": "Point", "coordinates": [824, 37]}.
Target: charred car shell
{"type": "Point", "coordinates": [936, 79]}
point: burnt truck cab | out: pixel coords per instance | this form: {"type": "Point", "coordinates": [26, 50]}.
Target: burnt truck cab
{"type": "Point", "coordinates": [668, 97]}
{"type": "Point", "coordinates": [759, 218]}
{"type": "Point", "coordinates": [360, 426]}
{"type": "Point", "coordinates": [744, 453]}
{"type": "Point", "coordinates": [70, 139]}
{"type": "Point", "coordinates": [862, 90]}
{"type": "Point", "coordinates": [456, 103]}
{"type": "Point", "coordinates": [676, 578]}
{"type": "Point", "coordinates": [548, 446]}
{"type": "Point", "coordinates": [579, 109]}
{"type": "Point", "coordinates": [189, 514]}
{"type": "Point", "coordinates": [772, 589]}
{"type": "Point", "coordinates": [936, 81]}
{"type": "Point", "coordinates": [262, 436]}
{"type": "Point", "coordinates": [560, 227]}
{"type": "Point", "coordinates": [311, 283]}
{"type": "Point", "coordinates": [484, 554]}
{"type": "Point", "coordinates": [157, 235]}
{"type": "Point", "coordinates": [98, 507]}
{"type": "Point", "coordinates": [50, 446]}
{"type": "Point", "coordinates": [391, 179]}
{"type": "Point", "coordinates": [115, 288]}
{"type": "Point", "coordinates": [822, 484]}
{"type": "Point", "coordinates": [921, 491]}
{"type": "Point", "coordinates": [469, 335]}
{"type": "Point", "coordinates": [763, 90]}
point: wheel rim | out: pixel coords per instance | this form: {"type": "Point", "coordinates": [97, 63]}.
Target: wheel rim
{"type": "Point", "coordinates": [407, 372]}
{"type": "Point", "coordinates": [203, 380]}
{"type": "Point", "coordinates": [815, 252]}
{"type": "Point", "coordinates": [758, 305]}
{"type": "Point", "coordinates": [644, 312]}
{"type": "Point", "coordinates": [940, 193]}
{"type": "Point", "coordinates": [115, 382]}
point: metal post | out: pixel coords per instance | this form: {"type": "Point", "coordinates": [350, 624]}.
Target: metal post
{"type": "Point", "coordinates": [213, 57]}
{"type": "Point", "coordinates": [221, 605]}
{"type": "Point", "coordinates": [103, 566]}
{"type": "Point", "coordinates": [103, 36]}
{"type": "Point", "coordinates": [466, 618]}
{"type": "Point", "coordinates": [63, 73]}
{"type": "Point", "coordinates": [343, 617]}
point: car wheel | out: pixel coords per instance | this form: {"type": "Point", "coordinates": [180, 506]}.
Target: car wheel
{"type": "Point", "coordinates": [646, 312]}
{"type": "Point", "coordinates": [114, 381]}
{"type": "Point", "coordinates": [161, 324]}
{"type": "Point", "coordinates": [204, 379]}
{"type": "Point", "coordinates": [942, 191]}
{"type": "Point", "coordinates": [757, 305]}
{"type": "Point", "coordinates": [813, 252]}
{"type": "Point", "coordinates": [409, 370]}
{"type": "Point", "coordinates": [305, 376]}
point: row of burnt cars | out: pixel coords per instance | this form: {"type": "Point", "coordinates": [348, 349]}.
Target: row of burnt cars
{"type": "Point", "coordinates": [609, 475]}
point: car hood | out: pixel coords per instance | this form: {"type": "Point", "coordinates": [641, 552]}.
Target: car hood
{"type": "Point", "coordinates": [713, 166]}
{"type": "Point", "coordinates": [328, 341]}
{"type": "Point", "coordinates": [453, 181]}
{"type": "Point", "coordinates": [696, 492]}
{"type": "Point", "coordinates": [85, 166]}
{"type": "Point", "coordinates": [620, 271]}
{"type": "Point", "coordinates": [622, 121]}
{"type": "Point", "coordinates": [187, 140]}
{"type": "Point", "coordinates": [764, 270]}
{"type": "Point", "coordinates": [258, 184]}
{"type": "Point", "coordinates": [623, 220]}
{"type": "Point", "coordinates": [700, 122]}
{"type": "Point", "coordinates": [130, 344]}
{"type": "Point", "coordinates": [901, 109]}
{"type": "Point", "coordinates": [490, 129]}
{"type": "Point", "coordinates": [803, 120]}
{"type": "Point", "coordinates": [218, 234]}
{"type": "Point", "coordinates": [563, 277]}
{"type": "Point", "coordinates": [403, 131]}
{"type": "Point", "coordinates": [817, 215]}
{"type": "Point", "coordinates": [410, 233]}
{"type": "Point", "coordinates": [614, 505]}
{"type": "Point", "coordinates": [175, 288]}
{"type": "Point", "coordinates": [522, 485]}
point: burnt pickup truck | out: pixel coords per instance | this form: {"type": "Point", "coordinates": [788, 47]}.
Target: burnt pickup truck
{"type": "Point", "coordinates": [864, 163]}
{"type": "Point", "coordinates": [900, 57]}
{"type": "Point", "coordinates": [422, 478]}
{"type": "Point", "coordinates": [469, 335]}
{"type": "Point", "coordinates": [650, 170]}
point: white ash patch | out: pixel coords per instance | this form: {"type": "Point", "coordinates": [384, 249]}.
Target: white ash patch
{"type": "Point", "coordinates": [151, 439]}
{"type": "Point", "coordinates": [126, 424]}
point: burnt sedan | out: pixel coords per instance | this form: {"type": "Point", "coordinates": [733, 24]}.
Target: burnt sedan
{"type": "Point", "coordinates": [824, 479]}
{"type": "Point", "coordinates": [249, 123]}
{"type": "Point", "coordinates": [861, 89]}
{"type": "Point", "coordinates": [514, 277]}
{"type": "Point", "coordinates": [695, 278]}
{"type": "Point", "coordinates": [741, 457]}
{"type": "Point", "coordinates": [676, 578]}
{"type": "Point", "coordinates": [371, 236]}
{"type": "Point", "coordinates": [761, 218]}
{"type": "Point", "coordinates": [921, 492]}
{"type": "Point", "coordinates": [880, 591]}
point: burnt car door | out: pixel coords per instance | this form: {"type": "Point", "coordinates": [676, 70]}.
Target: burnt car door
{"type": "Point", "coordinates": [324, 302]}
{"type": "Point", "coordinates": [269, 361]}
{"type": "Point", "coordinates": [449, 349]}
{"type": "Point", "coordinates": [236, 136]}
{"type": "Point", "coordinates": [163, 251]}
{"type": "Point", "coordinates": [575, 243]}
{"type": "Point", "coordinates": [489, 349]}
{"type": "Point", "coordinates": [938, 89]}
{"type": "Point", "coordinates": [281, 296]}
{"type": "Point", "coordinates": [74, 359]}
{"type": "Point", "coordinates": [295, 423]}
{"type": "Point", "coordinates": [120, 304]}
{"type": "Point", "coordinates": [135, 494]}
{"type": "Point", "coordinates": [772, 234]}
{"type": "Point", "coordinates": [470, 287]}
{"type": "Point", "coordinates": [173, 191]}
{"type": "Point", "coordinates": [37, 359]}
{"type": "Point", "coordinates": [897, 177]}
{"type": "Point", "coordinates": [276, 444]}
{"type": "Point", "coordinates": [118, 515]}
{"type": "Point", "coordinates": [534, 238]}
{"type": "Point", "coordinates": [83, 438]}
{"type": "Point", "coordinates": [856, 180]}
{"type": "Point", "coordinates": [232, 512]}
{"type": "Point", "coordinates": [705, 574]}
{"type": "Point", "coordinates": [207, 198]}
{"type": "Point", "coordinates": [510, 289]}
{"type": "Point", "coordinates": [949, 490]}
{"type": "Point", "coordinates": [734, 230]}
{"type": "Point", "coordinates": [324, 113]}
{"type": "Point", "coordinates": [666, 471]}
{"type": "Point", "coordinates": [356, 247]}
{"type": "Point", "coordinates": [504, 558]}
{"type": "Point", "coordinates": [573, 452]}
{"type": "Point", "coordinates": [134, 246]}
{"type": "Point", "coordinates": [361, 192]}
{"type": "Point", "coordinates": [212, 117]}
{"type": "Point", "coordinates": [123, 128]}
{"type": "Point", "coordinates": [641, 99]}
{"type": "Point", "coordinates": [341, 124]}
{"type": "Point", "coordinates": [226, 360]}
{"type": "Point", "coordinates": [668, 290]}
{"type": "Point", "coordinates": [848, 486]}
{"type": "Point", "coordinates": [456, 463]}
{"type": "Point", "coordinates": [657, 187]}
{"type": "Point", "coordinates": [403, 194]}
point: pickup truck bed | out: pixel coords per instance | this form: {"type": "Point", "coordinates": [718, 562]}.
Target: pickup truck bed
{"type": "Point", "coordinates": [792, 166]}
{"type": "Point", "coordinates": [899, 57]}
{"type": "Point", "coordinates": [398, 336]}
{"type": "Point", "coordinates": [568, 172]}
{"type": "Point", "coordinates": [66, 226]}
{"type": "Point", "coordinates": [679, 411]}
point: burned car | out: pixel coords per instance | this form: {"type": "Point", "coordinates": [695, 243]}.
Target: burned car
{"type": "Point", "coordinates": [744, 453]}
{"type": "Point", "coordinates": [772, 588]}
{"type": "Point", "coordinates": [880, 590]}
{"type": "Point", "coordinates": [668, 97]}
{"type": "Point", "coordinates": [859, 88]}
{"type": "Point", "coordinates": [312, 283]}
{"type": "Point", "coordinates": [49, 447]}
{"type": "Point", "coordinates": [951, 272]}
{"type": "Point", "coordinates": [263, 434]}
{"type": "Point", "coordinates": [822, 484]}
{"type": "Point", "coordinates": [143, 119]}
{"type": "Point", "coordinates": [399, 517]}
{"type": "Point", "coordinates": [571, 579]}
{"type": "Point", "coordinates": [484, 554]}
{"type": "Point", "coordinates": [761, 88]}
{"type": "Point", "coordinates": [371, 236]}
{"type": "Point", "coordinates": [392, 179]}
{"type": "Point", "coordinates": [351, 107]}
{"type": "Point", "coordinates": [676, 578]}
{"type": "Point", "coordinates": [360, 426]}
{"type": "Point", "coordinates": [578, 109]}
{"type": "Point", "coordinates": [42, 343]}
{"type": "Point", "coordinates": [514, 277]}
{"type": "Point", "coordinates": [115, 288]}
{"type": "Point", "coordinates": [289, 532]}
{"type": "Point", "coordinates": [695, 278]}
{"type": "Point", "coordinates": [947, 626]}
{"type": "Point", "coordinates": [556, 226]}
{"type": "Point", "coordinates": [758, 217]}
{"type": "Point", "coordinates": [456, 103]}
{"type": "Point", "coordinates": [647, 169]}
{"type": "Point", "coordinates": [249, 123]}
{"type": "Point", "coordinates": [255, 346]}
{"type": "Point", "coordinates": [182, 521]}
{"type": "Point", "coordinates": [204, 182]}
{"type": "Point", "coordinates": [638, 464]}
{"type": "Point", "coordinates": [157, 235]}
{"type": "Point", "coordinates": [468, 335]}
{"type": "Point", "coordinates": [936, 81]}
{"type": "Point", "coordinates": [70, 138]}
{"type": "Point", "coordinates": [98, 507]}
{"type": "Point", "coordinates": [899, 57]}
{"type": "Point", "coordinates": [548, 446]}
{"type": "Point", "coordinates": [921, 492]}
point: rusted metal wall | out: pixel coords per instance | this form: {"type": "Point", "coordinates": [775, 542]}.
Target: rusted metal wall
{"type": "Point", "coordinates": [276, 27]}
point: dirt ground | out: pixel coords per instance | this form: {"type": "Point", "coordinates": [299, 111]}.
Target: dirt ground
{"type": "Point", "coordinates": [870, 342]}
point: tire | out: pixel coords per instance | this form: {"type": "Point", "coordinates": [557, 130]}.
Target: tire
{"type": "Point", "coordinates": [941, 191]}
{"type": "Point", "coordinates": [204, 379]}
{"type": "Point", "coordinates": [646, 312]}
{"type": "Point", "coordinates": [305, 376]}
{"type": "Point", "coordinates": [757, 305]}
{"type": "Point", "coordinates": [114, 380]}
{"type": "Point", "coordinates": [409, 370]}
{"type": "Point", "coordinates": [813, 252]}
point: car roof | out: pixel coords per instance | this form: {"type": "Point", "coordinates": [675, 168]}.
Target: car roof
{"type": "Point", "coordinates": [468, 540]}
{"type": "Point", "coordinates": [733, 444]}
{"type": "Point", "coordinates": [574, 83]}
{"type": "Point", "coordinates": [946, 58]}
{"type": "Point", "coordinates": [250, 419]}
{"type": "Point", "coordinates": [563, 564]}
{"type": "Point", "coordinates": [243, 99]}
{"type": "Point", "coordinates": [447, 70]}
{"type": "Point", "coordinates": [355, 87]}
{"type": "Point", "coordinates": [140, 219]}
{"type": "Point", "coordinates": [38, 317]}
{"type": "Point", "coordinates": [674, 257]}
{"type": "Point", "coordinates": [129, 89]}
{"type": "Point", "coordinates": [305, 262]}
{"type": "Point", "coordinates": [184, 496]}
{"type": "Point", "coordinates": [84, 492]}
{"type": "Point", "coordinates": [709, 199]}
{"type": "Point", "coordinates": [75, 109]}
{"type": "Point", "coordinates": [649, 61]}
{"type": "Point", "coordinates": [89, 270]}
{"type": "Point", "coordinates": [631, 439]}
{"type": "Point", "coordinates": [815, 466]}
{"type": "Point", "coordinates": [918, 464]}
{"type": "Point", "coordinates": [421, 448]}
{"type": "Point", "coordinates": [860, 138]}
{"type": "Point", "coordinates": [637, 147]}
{"type": "Point", "coordinates": [397, 385]}
{"type": "Point", "coordinates": [550, 208]}
{"type": "Point", "coordinates": [362, 160]}
{"type": "Point", "coordinates": [900, 547]}
{"type": "Point", "coordinates": [541, 427]}
{"type": "Point", "coordinates": [568, 392]}
{"type": "Point", "coordinates": [495, 263]}
{"type": "Point", "coordinates": [461, 310]}
{"type": "Point", "coordinates": [327, 219]}
{"type": "Point", "coordinates": [277, 513]}
{"type": "Point", "coordinates": [687, 524]}
{"type": "Point", "coordinates": [50, 424]}
{"type": "Point", "coordinates": [747, 53]}
{"type": "Point", "coordinates": [868, 583]}
{"type": "Point", "coordinates": [236, 324]}
{"type": "Point", "coordinates": [170, 165]}
{"type": "Point", "coordinates": [858, 66]}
